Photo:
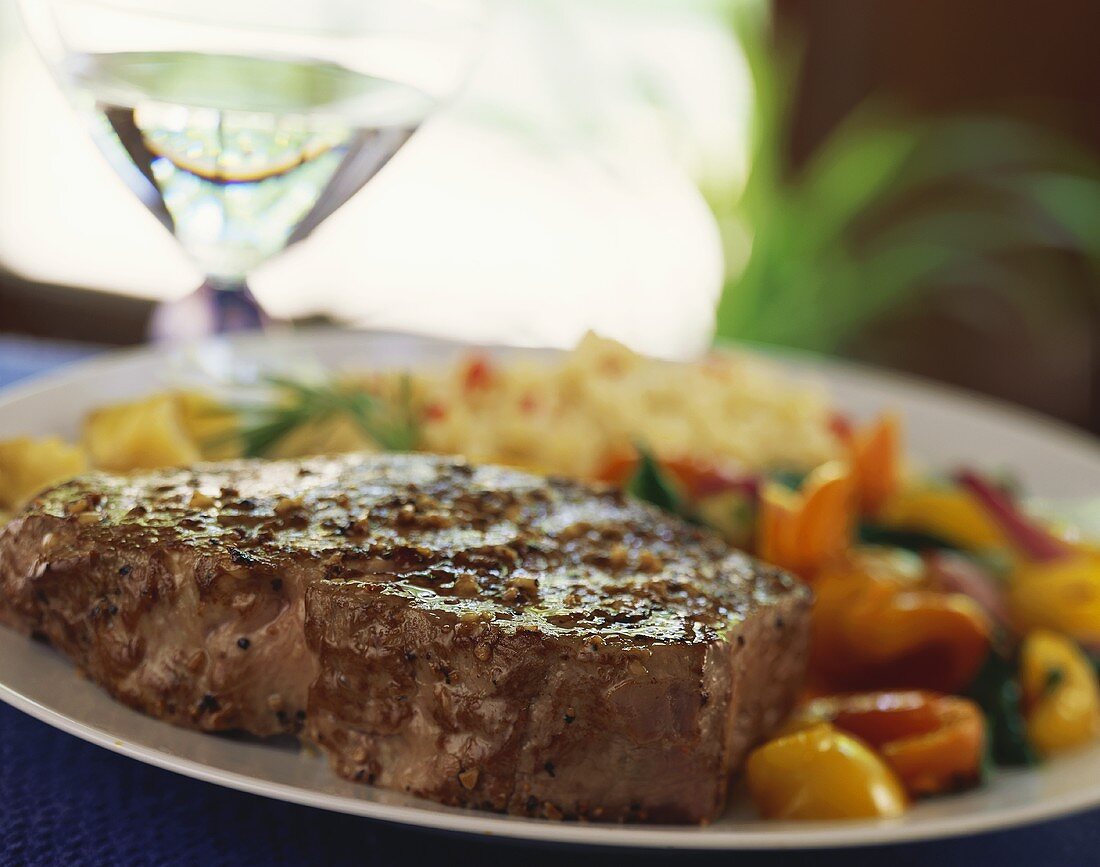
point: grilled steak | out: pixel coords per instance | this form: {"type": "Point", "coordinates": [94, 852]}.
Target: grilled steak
{"type": "Point", "coordinates": [474, 635]}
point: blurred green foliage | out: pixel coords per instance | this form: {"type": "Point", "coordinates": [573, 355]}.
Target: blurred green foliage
{"type": "Point", "coordinates": [892, 205]}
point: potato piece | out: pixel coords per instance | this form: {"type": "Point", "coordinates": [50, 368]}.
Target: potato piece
{"type": "Point", "coordinates": [143, 434]}
{"type": "Point", "coordinates": [28, 466]}
{"type": "Point", "coordinates": [209, 424]}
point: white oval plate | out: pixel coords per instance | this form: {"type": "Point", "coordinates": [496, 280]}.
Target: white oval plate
{"type": "Point", "coordinates": [944, 427]}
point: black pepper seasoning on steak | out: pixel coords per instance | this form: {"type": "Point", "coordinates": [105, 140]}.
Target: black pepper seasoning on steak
{"type": "Point", "coordinates": [475, 635]}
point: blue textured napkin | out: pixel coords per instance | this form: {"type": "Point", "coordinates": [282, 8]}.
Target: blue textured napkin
{"type": "Point", "coordinates": [65, 802]}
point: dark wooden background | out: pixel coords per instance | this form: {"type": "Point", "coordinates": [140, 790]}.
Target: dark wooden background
{"type": "Point", "coordinates": [1037, 60]}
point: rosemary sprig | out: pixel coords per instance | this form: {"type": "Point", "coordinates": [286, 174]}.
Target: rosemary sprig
{"type": "Point", "coordinates": [392, 424]}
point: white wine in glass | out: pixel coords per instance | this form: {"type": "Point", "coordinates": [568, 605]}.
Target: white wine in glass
{"type": "Point", "coordinates": [240, 153]}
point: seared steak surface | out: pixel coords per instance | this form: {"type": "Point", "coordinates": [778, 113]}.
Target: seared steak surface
{"type": "Point", "coordinates": [476, 635]}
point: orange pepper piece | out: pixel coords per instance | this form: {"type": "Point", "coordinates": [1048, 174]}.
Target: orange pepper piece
{"type": "Point", "coordinates": [617, 467]}
{"type": "Point", "coordinates": [933, 742]}
{"type": "Point", "coordinates": [876, 462]}
{"type": "Point", "coordinates": [803, 530]}
{"type": "Point", "coordinates": [876, 631]}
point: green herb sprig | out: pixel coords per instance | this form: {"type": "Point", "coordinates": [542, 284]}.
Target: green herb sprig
{"type": "Point", "coordinates": [392, 424]}
{"type": "Point", "coordinates": [650, 484]}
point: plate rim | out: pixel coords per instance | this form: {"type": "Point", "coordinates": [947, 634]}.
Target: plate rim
{"type": "Point", "coordinates": [788, 836]}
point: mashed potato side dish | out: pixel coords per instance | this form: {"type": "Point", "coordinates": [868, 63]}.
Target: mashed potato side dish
{"type": "Point", "coordinates": [571, 415]}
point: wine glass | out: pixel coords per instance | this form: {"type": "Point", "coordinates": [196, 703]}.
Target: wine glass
{"type": "Point", "coordinates": [243, 124]}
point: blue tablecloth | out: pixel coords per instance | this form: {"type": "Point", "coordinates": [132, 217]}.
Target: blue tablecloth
{"type": "Point", "coordinates": [65, 802]}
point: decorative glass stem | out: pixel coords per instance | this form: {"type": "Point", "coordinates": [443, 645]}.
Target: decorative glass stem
{"type": "Point", "coordinates": [216, 307]}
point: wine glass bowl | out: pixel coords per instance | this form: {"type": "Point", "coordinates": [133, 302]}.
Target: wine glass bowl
{"type": "Point", "coordinates": [243, 125]}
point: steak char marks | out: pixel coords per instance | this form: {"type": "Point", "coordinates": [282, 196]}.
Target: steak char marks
{"type": "Point", "coordinates": [474, 635]}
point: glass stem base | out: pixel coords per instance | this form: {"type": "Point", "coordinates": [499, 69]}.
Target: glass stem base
{"type": "Point", "coordinates": [216, 307]}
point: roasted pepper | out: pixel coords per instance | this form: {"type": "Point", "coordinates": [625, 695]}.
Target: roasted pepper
{"type": "Point", "coordinates": [695, 478]}
{"type": "Point", "coordinates": [1062, 595]}
{"type": "Point", "coordinates": [805, 529]}
{"type": "Point", "coordinates": [949, 513]}
{"type": "Point", "coordinates": [875, 626]}
{"type": "Point", "coordinates": [876, 462]}
{"type": "Point", "coordinates": [1030, 538]}
{"type": "Point", "coordinates": [1054, 584]}
{"type": "Point", "coordinates": [933, 742]}
{"type": "Point", "coordinates": [722, 500]}
{"type": "Point", "coordinates": [819, 772]}
{"type": "Point", "coordinates": [1061, 696]}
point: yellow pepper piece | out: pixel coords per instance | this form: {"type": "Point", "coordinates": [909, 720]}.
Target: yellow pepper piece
{"type": "Point", "coordinates": [1061, 595]}
{"type": "Point", "coordinates": [950, 513]}
{"type": "Point", "coordinates": [822, 773]}
{"type": "Point", "coordinates": [1060, 693]}
{"type": "Point", "coordinates": [803, 530]}
{"type": "Point", "coordinates": [27, 466]}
